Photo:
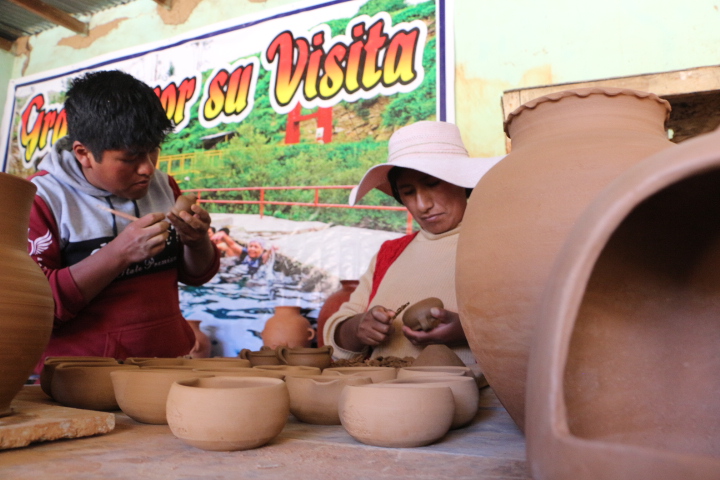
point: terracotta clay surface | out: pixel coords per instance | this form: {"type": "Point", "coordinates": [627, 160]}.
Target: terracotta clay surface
{"type": "Point", "coordinates": [418, 316]}
{"type": "Point", "coordinates": [152, 361]}
{"type": "Point", "coordinates": [402, 415]}
{"type": "Point", "coordinates": [464, 389]}
{"type": "Point", "coordinates": [287, 328]}
{"type": "Point", "coordinates": [217, 362]}
{"type": "Point", "coordinates": [432, 371]}
{"type": "Point", "coordinates": [566, 148]}
{"type": "Point", "coordinates": [332, 304]}
{"type": "Point", "coordinates": [289, 370]}
{"type": "Point", "coordinates": [314, 399]}
{"type": "Point", "coordinates": [310, 357]}
{"type": "Point", "coordinates": [86, 386]}
{"type": "Point", "coordinates": [240, 372]}
{"type": "Point", "coordinates": [377, 374]}
{"type": "Point", "coordinates": [26, 302]}
{"type": "Point", "coordinates": [142, 393]}
{"type": "Point", "coordinates": [228, 413]}
{"type": "Point", "coordinates": [51, 362]}
{"type": "Point", "coordinates": [624, 369]}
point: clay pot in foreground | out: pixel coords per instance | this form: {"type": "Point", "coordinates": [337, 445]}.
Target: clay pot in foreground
{"type": "Point", "coordinates": [227, 413]}
{"type": "Point", "coordinates": [566, 148]}
{"type": "Point", "coordinates": [624, 369]}
{"type": "Point", "coordinates": [290, 370]}
{"type": "Point", "coordinates": [86, 386]}
{"type": "Point", "coordinates": [332, 304]}
{"type": "Point", "coordinates": [465, 392]}
{"type": "Point", "coordinates": [142, 393]}
{"type": "Point", "coordinates": [287, 328]}
{"type": "Point", "coordinates": [377, 374]}
{"type": "Point", "coordinates": [314, 398]}
{"type": "Point", "coordinates": [309, 357]}
{"type": "Point", "coordinates": [240, 372]}
{"type": "Point", "coordinates": [26, 301]}
{"type": "Point", "coordinates": [50, 363]}
{"type": "Point", "coordinates": [407, 372]}
{"type": "Point", "coordinates": [403, 415]}
{"type": "Point", "coordinates": [217, 362]}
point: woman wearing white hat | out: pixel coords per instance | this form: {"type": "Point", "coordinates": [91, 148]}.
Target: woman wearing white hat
{"type": "Point", "coordinates": [429, 171]}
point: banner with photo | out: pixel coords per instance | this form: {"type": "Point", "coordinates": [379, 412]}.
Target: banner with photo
{"type": "Point", "coordinates": [277, 115]}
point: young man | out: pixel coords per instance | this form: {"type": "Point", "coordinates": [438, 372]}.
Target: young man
{"type": "Point", "coordinates": [115, 279]}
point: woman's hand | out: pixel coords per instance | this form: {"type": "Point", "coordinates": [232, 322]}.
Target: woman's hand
{"type": "Point", "coordinates": [448, 332]}
{"type": "Point", "coordinates": [375, 326]}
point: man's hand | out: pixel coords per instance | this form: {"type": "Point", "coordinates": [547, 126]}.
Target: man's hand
{"type": "Point", "coordinates": [448, 332]}
{"type": "Point", "coordinates": [142, 239]}
{"type": "Point", "coordinates": [192, 229]}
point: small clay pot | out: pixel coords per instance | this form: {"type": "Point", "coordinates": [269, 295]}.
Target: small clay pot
{"type": "Point", "coordinates": [314, 398]}
{"type": "Point", "coordinates": [264, 356]}
{"type": "Point", "coordinates": [217, 362]}
{"type": "Point", "coordinates": [389, 415]}
{"type": "Point", "coordinates": [51, 362]}
{"type": "Point", "coordinates": [438, 355]}
{"type": "Point", "coordinates": [413, 371]}
{"type": "Point", "coordinates": [183, 204]}
{"type": "Point", "coordinates": [290, 370]}
{"type": "Point", "coordinates": [86, 386]}
{"type": "Point", "coordinates": [288, 328]}
{"type": "Point", "coordinates": [465, 393]}
{"type": "Point", "coordinates": [309, 357]}
{"type": "Point", "coordinates": [153, 361]}
{"type": "Point", "coordinates": [418, 316]}
{"type": "Point", "coordinates": [240, 372]}
{"type": "Point", "coordinates": [142, 393]}
{"type": "Point", "coordinates": [228, 413]}
{"type": "Point", "coordinates": [377, 374]}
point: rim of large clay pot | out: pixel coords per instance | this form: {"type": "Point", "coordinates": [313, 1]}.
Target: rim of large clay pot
{"type": "Point", "coordinates": [553, 451]}
{"type": "Point", "coordinates": [582, 93]}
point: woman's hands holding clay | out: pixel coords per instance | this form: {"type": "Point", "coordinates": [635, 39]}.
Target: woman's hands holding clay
{"type": "Point", "coordinates": [448, 332]}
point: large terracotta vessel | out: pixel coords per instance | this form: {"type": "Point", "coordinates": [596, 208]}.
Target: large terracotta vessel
{"type": "Point", "coordinates": [624, 376]}
{"type": "Point", "coordinates": [566, 148]}
{"type": "Point", "coordinates": [26, 302]}
{"type": "Point", "coordinates": [332, 304]}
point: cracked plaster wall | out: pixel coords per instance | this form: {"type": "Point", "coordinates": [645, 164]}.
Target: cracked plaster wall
{"type": "Point", "coordinates": [499, 45]}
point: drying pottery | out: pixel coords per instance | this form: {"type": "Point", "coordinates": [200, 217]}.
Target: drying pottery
{"type": "Point", "coordinates": [438, 355]}
{"type": "Point", "coordinates": [142, 393]}
{"type": "Point", "coordinates": [314, 398]}
{"type": "Point", "coordinates": [332, 304]}
{"type": "Point", "coordinates": [287, 328]}
{"type": "Point", "coordinates": [431, 371]}
{"type": "Point", "coordinates": [26, 301]}
{"type": "Point", "coordinates": [465, 393]}
{"type": "Point", "coordinates": [403, 415]}
{"type": "Point", "coordinates": [418, 316]}
{"type": "Point", "coordinates": [153, 361]}
{"type": "Point", "coordinates": [203, 345]}
{"type": "Point", "coordinates": [566, 148]}
{"type": "Point", "coordinates": [217, 362]}
{"type": "Point", "coordinates": [183, 204]}
{"type": "Point", "coordinates": [309, 357]}
{"type": "Point", "coordinates": [288, 370]}
{"type": "Point", "coordinates": [377, 374]}
{"type": "Point", "coordinates": [86, 386]}
{"type": "Point", "coordinates": [227, 413]}
{"type": "Point", "coordinates": [51, 362]}
{"type": "Point", "coordinates": [240, 372]}
{"type": "Point", "coordinates": [264, 356]}
{"type": "Point", "coordinates": [624, 369]}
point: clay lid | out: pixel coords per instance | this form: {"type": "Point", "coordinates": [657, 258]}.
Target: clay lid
{"type": "Point", "coordinates": [583, 92]}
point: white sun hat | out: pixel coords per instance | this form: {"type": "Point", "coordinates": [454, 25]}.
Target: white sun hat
{"type": "Point", "coordinates": [435, 148]}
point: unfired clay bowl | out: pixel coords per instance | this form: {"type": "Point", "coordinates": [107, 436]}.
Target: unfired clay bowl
{"type": "Point", "coordinates": [51, 362]}
{"type": "Point", "coordinates": [153, 361]}
{"type": "Point", "coordinates": [377, 374]}
{"type": "Point", "coordinates": [309, 357]}
{"type": "Point", "coordinates": [86, 386]}
{"type": "Point", "coordinates": [406, 372]}
{"type": "Point", "coordinates": [465, 393]}
{"type": "Point", "coordinates": [241, 372]}
{"type": "Point", "coordinates": [403, 415]}
{"type": "Point", "coordinates": [264, 356]}
{"type": "Point", "coordinates": [314, 398]}
{"type": "Point", "coordinates": [288, 370]}
{"type": "Point", "coordinates": [142, 393]}
{"type": "Point", "coordinates": [228, 413]}
{"type": "Point", "coordinates": [217, 362]}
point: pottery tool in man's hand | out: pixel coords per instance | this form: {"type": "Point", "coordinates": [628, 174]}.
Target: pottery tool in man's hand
{"type": "Point", "coordinates": [124, 215]}
{"type": "Point", "coordinates": [399, 310]}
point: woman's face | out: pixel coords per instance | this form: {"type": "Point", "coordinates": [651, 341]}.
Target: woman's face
{"type": "Point", "coordinates": [254, 250]}
{"type": "Point", "coordinates": [438, 206]}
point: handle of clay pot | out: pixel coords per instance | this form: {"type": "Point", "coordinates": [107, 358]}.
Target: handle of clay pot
{"type": "Point", "coordinates": [326, 348]}
{"type": "Point", "coordinates": [244, 353]}
{"type": "Point", "coordinates": [312, 333]}
{"type": "Point", "coordinates": [281, 354]}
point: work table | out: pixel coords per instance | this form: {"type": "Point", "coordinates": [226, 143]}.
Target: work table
{"type": "Point", "coordinates": [491, 447]}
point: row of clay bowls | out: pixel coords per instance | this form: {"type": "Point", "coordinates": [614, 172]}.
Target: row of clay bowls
{"type": "Point", "coordinates": [297, 356]}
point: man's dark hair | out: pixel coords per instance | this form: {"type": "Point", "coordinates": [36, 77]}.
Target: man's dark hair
{"type": "Point", "coordinates": [394, 174]}
{"type": "Point", "coordinates": [111, 110]}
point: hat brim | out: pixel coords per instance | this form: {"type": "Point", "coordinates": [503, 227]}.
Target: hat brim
{"type": "Point", "coordinates": [459, 170]}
